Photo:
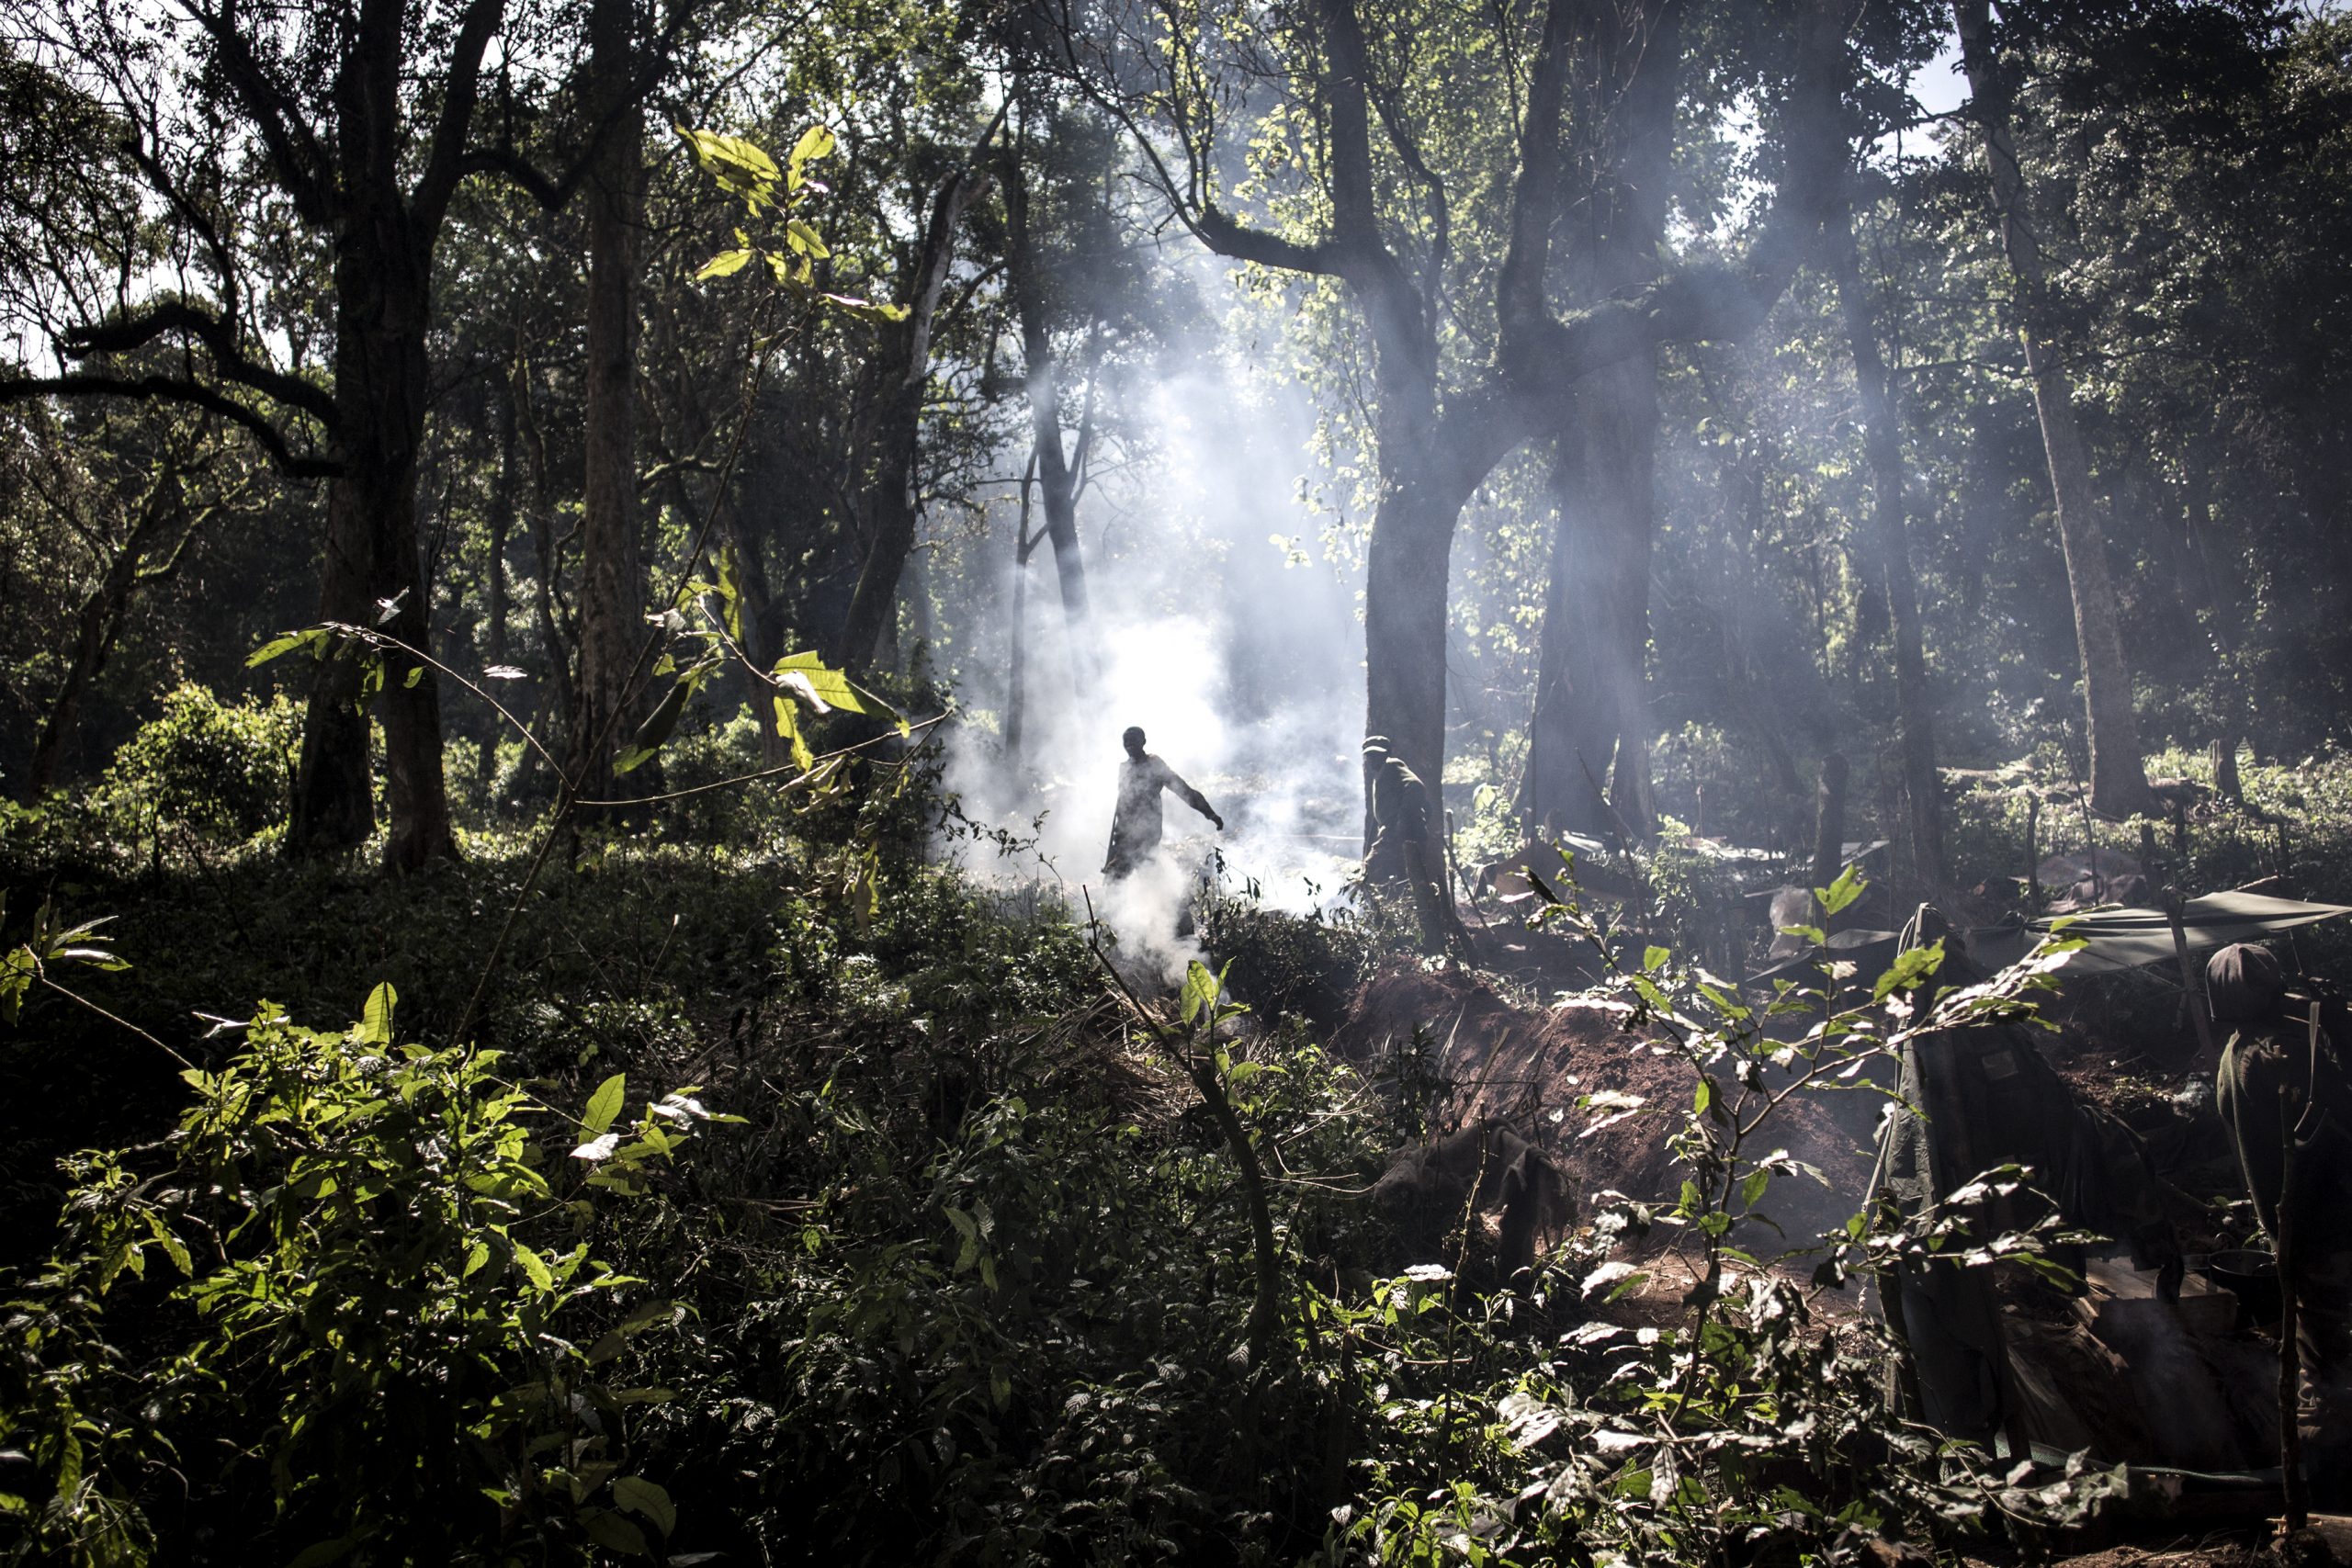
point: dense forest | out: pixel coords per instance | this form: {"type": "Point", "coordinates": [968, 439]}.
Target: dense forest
{"type": "Point", "coordinates": [577, 579]}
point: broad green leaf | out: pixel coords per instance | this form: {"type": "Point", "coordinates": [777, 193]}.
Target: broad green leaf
{"type": "Point", "coordinates": [815, 143]}
{"type": "Point", "coordinates": [375, 1017]}
{"type": "Point", "coordinates": [655, 729]}
{"type": "Point", "coordinates": [640, 1495]}
{"type": "Point", "coordinates": [1842, 892]}
{"type": "Point", "coordinates": [805, 239]}
{"type": "Point", "coordinates": [1911, 967]}
{"type": "Point", "coordinates": [283, 645]}
{"type": "Point", "coordinates": [787, 726]}
{"type": "Point", "coordinates": [740, 168]}
{"type": "Point", "coordinates": [805, 674]}
{"type": "Point", "coordinates": [1201, 989]}
{"type": "Point", "coordinates": [726, 264]}
{"type": "Point", "coordinates": [613, 1533]}
{"type": "Point", "coordinates": [605, 1103]}
{"type": "Point", "coordinates": [535, 1266]}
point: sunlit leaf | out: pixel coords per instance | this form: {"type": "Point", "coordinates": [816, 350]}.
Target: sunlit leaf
{"type": "Point", "coordinates": [605, 1103]}
{"type": "Point", "coordinates": [726, 264]}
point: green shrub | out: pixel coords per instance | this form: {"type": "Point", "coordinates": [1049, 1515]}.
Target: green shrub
{"type": "Point", "coordinates": [397, 1339]}
{"type": "Point", "coordinates": [220, 770]}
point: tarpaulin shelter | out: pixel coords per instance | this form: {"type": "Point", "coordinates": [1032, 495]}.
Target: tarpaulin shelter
{"type": "Point", "coordinates": [2118, 938]}
{"type": "Point", "coordinates": [2133, 939]}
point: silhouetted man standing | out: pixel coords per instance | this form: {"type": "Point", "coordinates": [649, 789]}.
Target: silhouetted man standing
{"type": "Point", "coordinates": [1135, 824]}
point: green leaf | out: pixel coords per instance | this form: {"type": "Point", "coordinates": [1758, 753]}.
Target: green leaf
{"type": "Point", "coordinates": [605, 1103]}
{"type": "Point", "coordinates": [613, 1533]}
{"type": "Point", "coordinates": [970, 1230]}
{"type": "Point", "coordinates": [726, 264]}
{"type": "Point", "coordinates": [1911, 967]}
{"type": "Point", "coordinates": [1842, 892]}
{"type": "Point", "coordinates": [787, 726]}
{"type": "Point", "coordinates": [655, 729]}
{"type": "Point", "coordinates": [640, 1495]}
{"type": "Point", "coordinates": [805, 674]}
{"type": "Point", "coordinates": [283, 645]}
{"type": "Point", "coordinates": [318, 1553]}
{"type": "Point", "coordinates": [815, 143]}
{"type": "Point", "coordinates": [805, 238]}
{"type": "Point", "coordinates": [739, 167]}
{"type": "Point", "coordinates": [1654, 957]}
{"type": "Point", "coordinates": [375, 1017]}
{"type": "Point", "coordinates": [1201, 989]}
{"type": "Point", "coordinates": [535, 1266]}
{"type": "Point", "coordinates": [1751, 1188]}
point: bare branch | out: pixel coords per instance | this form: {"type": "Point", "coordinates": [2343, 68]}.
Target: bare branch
{"type": "Point", "coordinates": [165, 389]}
{"type": "Point", "coordinates": [219, 337]}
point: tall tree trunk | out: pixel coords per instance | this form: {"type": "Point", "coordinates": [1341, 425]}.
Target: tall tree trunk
{"type": "Point", "coordinates": [1057, 473]}
{"type": "Point", "coordinates": [384, 237]}
{"type": "Point", "coordinates": [1593, 645]}
{"type": "Point", "coordinates": [612, 596]}
{"type": "Point", "coordinates": [892, 445]}
{"type": "Point", "coordinates": [1592, 649]}
{"type": "Point", "coordinates": [2119, 773]}
{"type": "Point", "coordinates": [1882, 449]}
{"type": "Point", "coordinates": [501, 528]}
{"type": "Point", "coordinates": [373, 577]}
{"type": "Point", "coordinates": [1017, 683]}
{"type": "Point", "coordinates": [1405, 605]}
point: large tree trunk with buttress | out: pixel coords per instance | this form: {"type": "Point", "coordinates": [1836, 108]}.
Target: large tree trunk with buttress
{"type": "Point", "coordinates": [372, 578]}
{"type": "Point", "coordinates": [2118, 772]}
{"type": "Point", "coordinates": [612, 596]}
{"type": "Point", "coordinates": [1588, 766]}
{"type": "Point", "coordinates": [1592, 650]}
{"type": "Point", "coordinates": [1882, 450]}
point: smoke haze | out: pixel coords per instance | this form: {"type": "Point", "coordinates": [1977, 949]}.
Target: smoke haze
{"type": "Point", "coordinates": [1220, 627]}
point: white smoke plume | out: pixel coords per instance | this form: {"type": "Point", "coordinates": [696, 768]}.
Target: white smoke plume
{"type": "Point", "coordinates": [1220, 628]}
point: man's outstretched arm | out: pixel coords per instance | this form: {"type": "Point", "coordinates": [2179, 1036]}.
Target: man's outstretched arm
{"type": "Point", "coordinates": [1194, 799]}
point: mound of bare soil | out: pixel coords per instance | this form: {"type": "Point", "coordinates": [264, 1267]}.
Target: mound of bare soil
{"type": "Point", "coordinates": [1531, 1066]}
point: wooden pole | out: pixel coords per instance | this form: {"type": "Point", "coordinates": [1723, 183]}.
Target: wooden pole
{"type": "Point", "coordinates": [2291, 1369]}
{"type": "Point", "coordinates": [2199, 1011]}
{"type": "Point", "coordinates": [2033, 852]}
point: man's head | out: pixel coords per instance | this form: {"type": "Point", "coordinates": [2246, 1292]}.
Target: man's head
{"type": "Point", "coordinates": [2244, 984]}
{"type": "Point", "coordinates": [1133, 741]}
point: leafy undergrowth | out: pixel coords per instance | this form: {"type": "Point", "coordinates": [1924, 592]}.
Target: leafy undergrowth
{"type": "Point", "coordinates": [800, 1202]}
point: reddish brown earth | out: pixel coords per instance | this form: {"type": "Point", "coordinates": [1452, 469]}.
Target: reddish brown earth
{"type": "Point", "coordinates": [1523, 1065]}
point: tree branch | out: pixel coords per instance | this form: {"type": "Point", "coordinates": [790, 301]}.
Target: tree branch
{"type": "Point", "coordinates": [445, 158]}
{"type": "Point", "coordinates": [219, 335]}
{"type": "Point", "coordinates": [303, 164]}
{"type": "Point", "coordinates": [1231, 238]}
{"type": "Point", "coordinates": [165, 389]}
{"type": "Point", "coordinates": [1548, 356]}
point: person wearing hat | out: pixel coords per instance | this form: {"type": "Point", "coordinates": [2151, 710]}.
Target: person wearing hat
{"type": "Point", "coordinates": [2282, 1086]}
{"type": "Point", "coordinates": [1135, 823]}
